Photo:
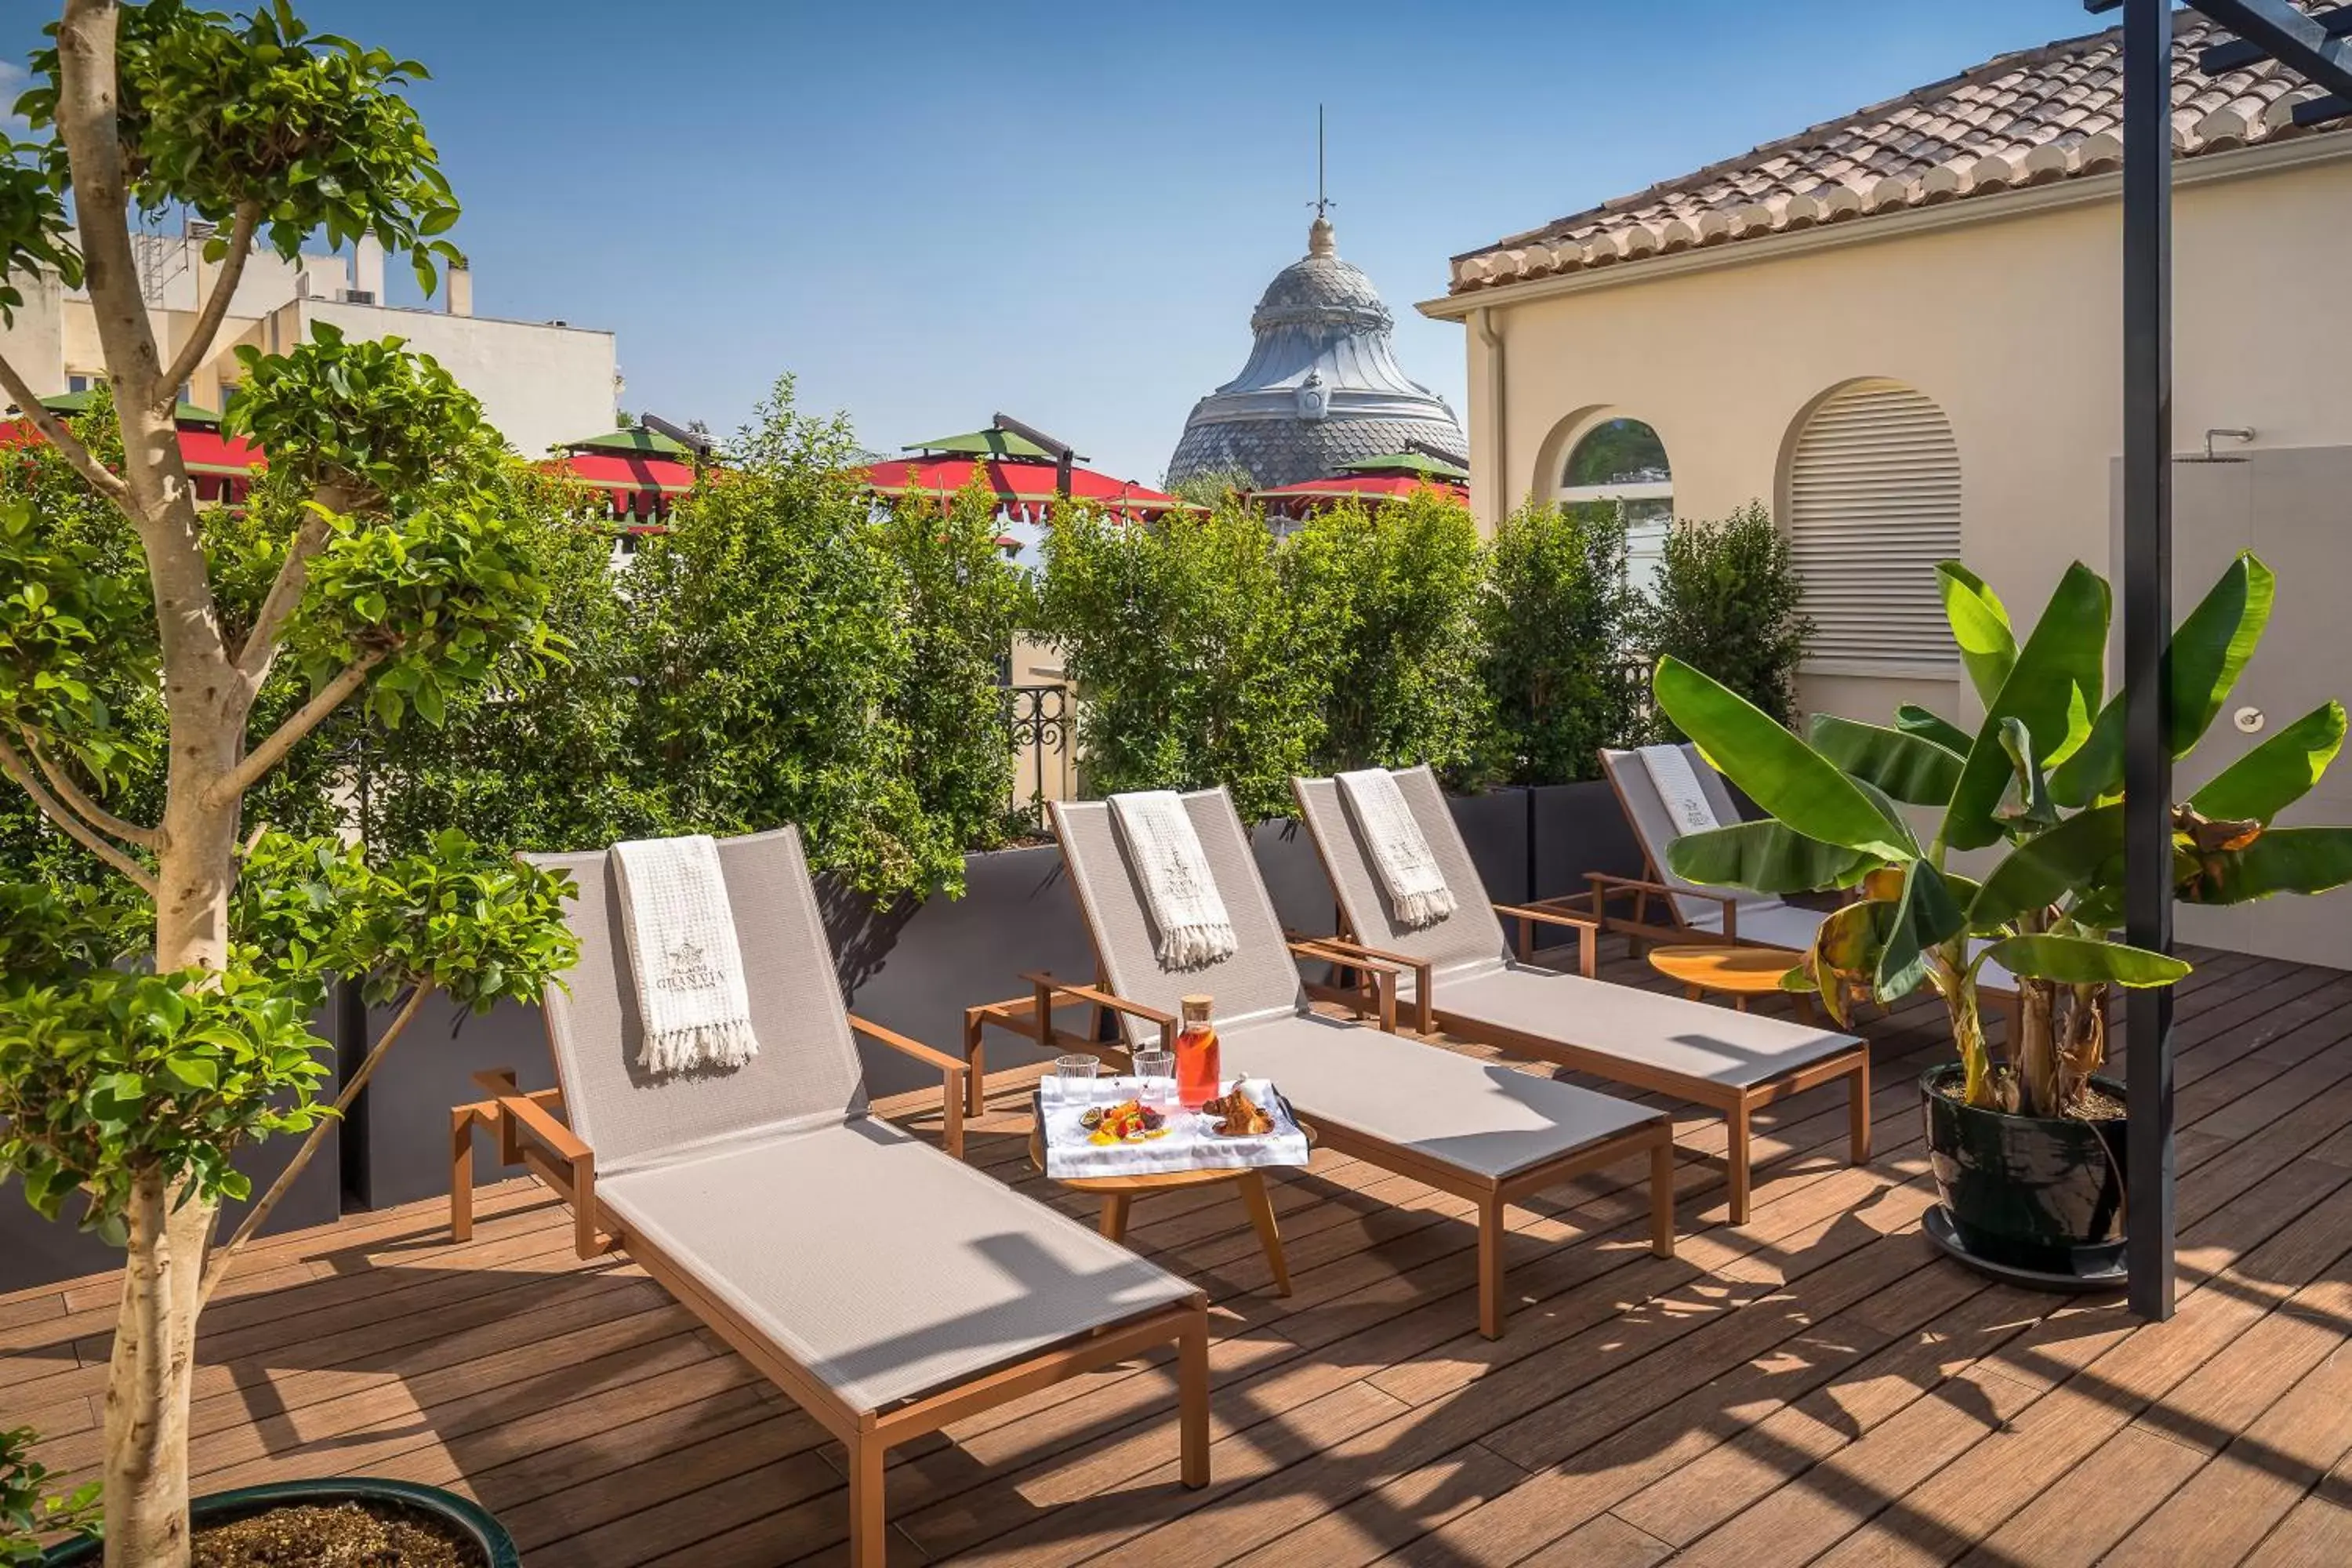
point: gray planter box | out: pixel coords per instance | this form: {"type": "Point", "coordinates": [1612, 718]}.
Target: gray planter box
{"type": "Point", "coordinates": [1578, 829]}
{"type": "Point", "coordinates": [914, 966]}
{"type": "Point", "coordinates": [35, 1251]}
{"type": "Point", "coordinates": [397, 1142]}
{"type": "Point", "coordinates": [1292, 871]}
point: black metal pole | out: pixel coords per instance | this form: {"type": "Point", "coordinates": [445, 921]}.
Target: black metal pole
{"type": "Point", "coordinates": [2147, 624]}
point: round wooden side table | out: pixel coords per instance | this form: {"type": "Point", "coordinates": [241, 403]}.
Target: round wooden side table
{"type": "Point", "coordinates": [1118, 1193]}
{"type": "Point", "coordinates": [1739, 972]}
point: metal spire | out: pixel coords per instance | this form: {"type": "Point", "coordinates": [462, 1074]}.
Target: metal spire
{"type": "Point", "coordinates": [1321, 203]}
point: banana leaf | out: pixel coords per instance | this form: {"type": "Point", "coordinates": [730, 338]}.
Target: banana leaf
{"type": "Point", "coordinates": [2025, 799]}
{"type": "Point", "coordinates": [2209, 650]}
{"type": "Point", "coordinates": [1981, 626]}
{"type": "Point", "coordinates": [1794, 784]}
{"type": "Point", "coordinates": [1910, 768]}
{"type": "Point", "coordinates": [1846, 948]}
{"type": "Point", "coordinates": [1914, 719]}
{"type": "Point", "coordinates": [1927, 916]}
{"type": "Point", "coordinates": [2053, 689]}
{"type": "Point", "coordinates": [2282, 860]}
{"type": "Point", "coordinates": [2279, 771]}
{"type": "Point", "coordinates": [2084, 960]}
{"type": "Point", "coordinates": [2076, 854]}
{"type": "Point", "coordinates": [1765, 857]}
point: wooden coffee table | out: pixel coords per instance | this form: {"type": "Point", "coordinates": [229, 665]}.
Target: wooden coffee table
{"type": "Point", "coordinates": [1118, 1193]}
{"type": "Point", "coordinates": [1739, 972]}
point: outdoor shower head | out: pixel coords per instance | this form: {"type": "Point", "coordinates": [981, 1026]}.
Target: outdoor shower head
{"type": "Point", "coordinates": [2210, 456]}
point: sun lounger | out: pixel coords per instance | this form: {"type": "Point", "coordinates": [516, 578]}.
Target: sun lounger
{"type": "Point", "coordinates": [887, 1288]}
{"type": "Point", "coordinates": [1480, 1131]}
{"type": "Point", "coordinates": [1695, 913]}
{"type": "Point", "coordinates": [1465, 981]}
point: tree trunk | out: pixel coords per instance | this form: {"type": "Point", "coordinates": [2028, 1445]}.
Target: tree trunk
{"type": "Point", "coordinates": [2035, 1055]}
{"type": "Point", "coordinates": [149, 1378]}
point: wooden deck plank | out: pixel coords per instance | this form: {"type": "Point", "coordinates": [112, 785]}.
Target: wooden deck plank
{"type": "Point", "coordinates": [1814, 1386]}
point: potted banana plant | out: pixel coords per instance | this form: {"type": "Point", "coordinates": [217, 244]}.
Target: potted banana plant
{"type": "Point", "coordinates": [2026, 1140]}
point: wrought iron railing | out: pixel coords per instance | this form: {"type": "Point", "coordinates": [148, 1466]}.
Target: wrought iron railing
{"type": "Point", "coordinates": [1040, 722]}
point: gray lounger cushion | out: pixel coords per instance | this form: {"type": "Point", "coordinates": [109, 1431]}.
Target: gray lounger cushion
{"type": "Point", "coordinates": [1488, 987]}
{"type": "Point", "coordinates": [878, 1263]}
{"type": "Point", "coordinates": [1471, 1115]}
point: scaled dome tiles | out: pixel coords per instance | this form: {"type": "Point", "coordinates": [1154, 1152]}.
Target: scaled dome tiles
{"type": "Point", "coordinates": [1322, 387]}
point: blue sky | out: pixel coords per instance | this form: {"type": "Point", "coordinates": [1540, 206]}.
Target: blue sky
{"type": "Point", "coordinates": [933, 212]}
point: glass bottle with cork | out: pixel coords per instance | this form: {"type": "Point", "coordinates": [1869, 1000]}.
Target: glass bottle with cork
{"type": "Point", "coordinates": [1197, 1071]}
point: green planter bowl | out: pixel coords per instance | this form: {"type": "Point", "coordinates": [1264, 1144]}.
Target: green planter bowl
{"type": "Point", "coordinates": [470, 1519]}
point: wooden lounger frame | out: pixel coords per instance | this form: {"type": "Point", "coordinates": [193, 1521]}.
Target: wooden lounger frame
{"type": "Point", "coordinates": [528, 1134]}
{"type": "Point", "coordinates": [1737, 1105]}
{"type": "Point", "coordinates": [1020, 1016]}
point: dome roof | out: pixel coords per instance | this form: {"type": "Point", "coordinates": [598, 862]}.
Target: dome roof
{"type": "Point", "coordinates": [1322, 386]}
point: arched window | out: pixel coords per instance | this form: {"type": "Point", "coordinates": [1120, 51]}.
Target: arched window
{"type": "Point", "coordinates": [1620, 463]}
{"type": "Point", "coordinates": [1874, 504]}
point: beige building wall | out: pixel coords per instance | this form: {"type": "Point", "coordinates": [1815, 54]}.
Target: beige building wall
{"type": "Point", "coordinates": [538, 382]}
{"type": "Point", "coordinates": [2005, 309]}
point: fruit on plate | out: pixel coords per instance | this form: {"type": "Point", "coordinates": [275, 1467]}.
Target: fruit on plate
{"type": "Point", "coordinates": [1129, 1121]}
{"type": "Point", "coordinates": [1241, 1116]}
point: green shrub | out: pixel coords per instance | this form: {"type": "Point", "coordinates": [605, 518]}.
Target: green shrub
{"type": "Point", "coordinates": [1556, 622]}
{"type": "Point", "coordinates": [1728, 603]}
{"type": "Point", "coordinates": [1194, 666]}
{"type": "Point", "coordinates": [962, 601]}
{"type": "Point", "coordinates": [1397, 586]}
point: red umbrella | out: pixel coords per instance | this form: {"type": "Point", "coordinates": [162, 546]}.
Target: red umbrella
{"type": "Point", "coordinates": [642, 472]}
{"type": "Point", "coordinates": [1020, 487]}
{"type": "Point", "coordinates": [1314, 495]}
{"type": "Point", "coordinates": [221, 467]}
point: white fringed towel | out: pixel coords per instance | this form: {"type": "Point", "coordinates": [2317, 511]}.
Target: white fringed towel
{"type": "Point", "coordinates": [1678, 786]}
{"type": "Point", "coordinates": [683, 953]}
{"type": "Point", "coordinates": [1401, 854]}
{"type": "Point", "coordinates": [1194, 927]}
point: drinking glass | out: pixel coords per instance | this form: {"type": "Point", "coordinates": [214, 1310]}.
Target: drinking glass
{"type": "Point", "coordinates": [1078, 1076]}
{"type": "Point", "coordinates": [1156, 1074]}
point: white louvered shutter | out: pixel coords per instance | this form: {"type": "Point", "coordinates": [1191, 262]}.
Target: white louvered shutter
{"type": "Point", "coordinates": [1874, 504]}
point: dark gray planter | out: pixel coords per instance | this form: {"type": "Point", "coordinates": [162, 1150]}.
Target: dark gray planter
{"type": "Point", "coordinates": [1495, 827]}
{"type": "Point", "coordinates": [397, 1146]}
{"type": "Point", "coordinates": [1292, 869]}
{"type": "Point", "coordinates": [35, 1251]}
{"type": "Point", "coordinates": [914, 965]}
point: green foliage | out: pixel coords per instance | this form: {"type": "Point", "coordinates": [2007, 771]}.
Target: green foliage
{"type": "Point", "coordinates": [108, 1075]}
{"type": "Point", "coordinates": [545, 754]}
{"type": "Point", "coordinates": [961, 602]}
{"type": "Point", "coordinates": [1728, 602]}
{"type": "Point", "coordinates": [1553, 627]}
{"type": "Point", "coordinates": [29, 1510]}
{"type": "Point", "coordinates": [36, 234]}
{"type": "Point", "coordinates": [1195, 664]}
{"type": "Point", "coordinates": [1398, 586]}
{"type": "Point", "coordinates": [369, 420]}
{"type": "Point", "coordinates": [307, 130]}
{"type": "Point", "coordinates": [2045, 911]}
{"type": "Point", "coordinates": [779, 646]}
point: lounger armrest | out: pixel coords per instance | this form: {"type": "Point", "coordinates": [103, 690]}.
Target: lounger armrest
{"type": "Point", "coordinates": [1586, 926]}
{"type": "Point", "coordinates": [529, 1135]}
{"type": "Point", "coordinates": [1346, 950]}
{"type": "Point", "coordinates": [1605, 886]}
{"type": "Point", "coordinates": [954, 1071]}
{"type": "Point", "coordinates": [1049, 988]}
{"type": "Point", "coordinates": [1382, 972]}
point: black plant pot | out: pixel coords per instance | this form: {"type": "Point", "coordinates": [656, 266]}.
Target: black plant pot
{"type": "Point", "coordinates": [465, 1518]}
{"type": "Point", "coordinates": [2035, 1200]}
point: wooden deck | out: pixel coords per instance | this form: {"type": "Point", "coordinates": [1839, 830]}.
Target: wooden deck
{"type": "Point", "coordinates": [1814, 1387]}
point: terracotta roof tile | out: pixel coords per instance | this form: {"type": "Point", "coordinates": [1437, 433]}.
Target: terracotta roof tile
{"type": "Point", "coordinates": [2027, 118]}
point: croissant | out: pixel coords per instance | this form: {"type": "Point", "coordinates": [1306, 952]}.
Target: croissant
{"type": "Point", "coordinates": [1242, 1118]}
